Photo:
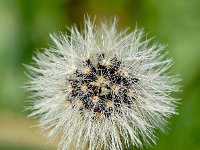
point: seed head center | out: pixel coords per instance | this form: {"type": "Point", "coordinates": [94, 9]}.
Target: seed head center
{"type": "Point", "coordinates": [102, 89]}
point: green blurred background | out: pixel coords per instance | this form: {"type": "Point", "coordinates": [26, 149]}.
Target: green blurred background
{"type": "Point", "coordinates": [25, 25]}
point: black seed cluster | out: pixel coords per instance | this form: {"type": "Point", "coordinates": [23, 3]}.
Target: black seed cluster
{"type": "Point", "coordinates": [101, 89]}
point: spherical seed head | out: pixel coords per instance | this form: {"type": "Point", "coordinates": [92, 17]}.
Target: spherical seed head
{"type": "Point", "coordinates": [99, 88]}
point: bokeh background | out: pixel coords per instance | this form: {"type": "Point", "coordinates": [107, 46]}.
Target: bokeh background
{"type": "Point", "coordinates": [25, 26]}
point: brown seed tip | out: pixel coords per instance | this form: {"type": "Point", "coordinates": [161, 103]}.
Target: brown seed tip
{"type": "Point", "coordinates": [123, 73]}
{"type": "Point", "coordinates": [95, 99]}
{"type": "Point", "coordinates": [109, 103]}
{"type": "Point", "coordinates": [86, 70]}
{"type": "Point", "coordinates": [84, 88]}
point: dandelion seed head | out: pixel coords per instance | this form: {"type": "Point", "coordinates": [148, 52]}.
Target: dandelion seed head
{"type": "Point", "coordinates": [102, 89]}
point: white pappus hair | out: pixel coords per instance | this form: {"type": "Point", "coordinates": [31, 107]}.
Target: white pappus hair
{"type": "Point", "coordinates": [102, 89]}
